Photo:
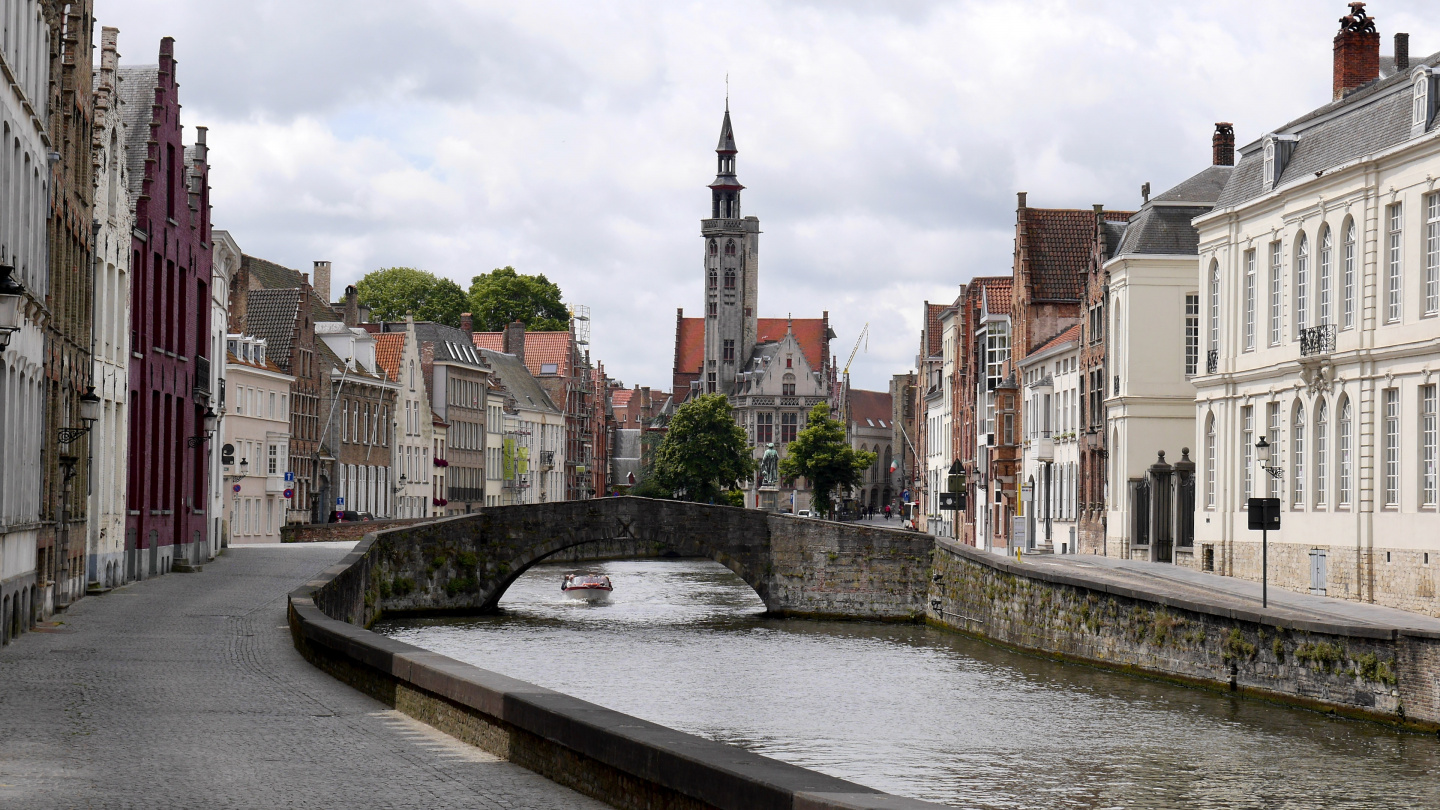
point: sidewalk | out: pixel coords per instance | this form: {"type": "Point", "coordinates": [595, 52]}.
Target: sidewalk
{"type": "Point", "coordinates": [185, 691]}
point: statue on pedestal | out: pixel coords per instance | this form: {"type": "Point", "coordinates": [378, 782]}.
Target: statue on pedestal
{"type": "Point", "coordinates": [770, 467]}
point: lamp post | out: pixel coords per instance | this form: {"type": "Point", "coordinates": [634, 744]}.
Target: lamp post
{"type": "Point", "coordinates": [1265, 514]}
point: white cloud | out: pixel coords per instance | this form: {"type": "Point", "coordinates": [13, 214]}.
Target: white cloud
{"type": "Point", "coordinates": [882, 143]}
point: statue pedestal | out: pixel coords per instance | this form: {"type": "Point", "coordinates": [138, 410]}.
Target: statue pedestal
{"type": "Point", "coordinates": [768, 498]}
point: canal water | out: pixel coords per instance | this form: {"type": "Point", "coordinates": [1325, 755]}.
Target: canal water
{"type": "Point", "coordinates": [922, 712]}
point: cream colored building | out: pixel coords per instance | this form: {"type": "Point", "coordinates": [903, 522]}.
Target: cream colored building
{"type": "Point", "coordinates": [532, 439]}
{"type": "Point", "coordinates": [257, 429]}
{"type": "Point", "coordinates": [398, 354]}
{"type": "Point", "coordinates": [1320, 264]}
{"type": "Point", "coordinates": [1050, 454]}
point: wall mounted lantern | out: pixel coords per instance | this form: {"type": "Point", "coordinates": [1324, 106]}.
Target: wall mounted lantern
{"type": "Point", "coordinates": [210, 419]}
{"type": "Point", "coordinates": [89, 412]}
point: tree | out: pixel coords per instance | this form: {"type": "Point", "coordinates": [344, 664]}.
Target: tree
{"type": "Point", "coordinates": [504, 296]}
{"type": "Point", "coordinates": [392, 292]}
{"type": "Point", "coordinates": [704, 454]}
{"type": "Point", "coordinates": [821, 454]}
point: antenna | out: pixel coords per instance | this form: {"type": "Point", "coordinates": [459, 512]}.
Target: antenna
{"type": "Point", "coordinates": [727, 91]}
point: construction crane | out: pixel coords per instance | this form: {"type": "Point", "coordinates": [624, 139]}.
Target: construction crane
{"type": "Point", "coordinates": [864, 335]}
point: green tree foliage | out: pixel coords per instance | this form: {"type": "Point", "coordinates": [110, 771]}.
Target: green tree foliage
{"type": "Point", "coordinates": [394, 291]}
{"type": "Point", "coordinates": [704, 454]}
{"type": "Point", "coordinates": [821, 454]}
{"type": "Point", "coordinates": [504, 296]}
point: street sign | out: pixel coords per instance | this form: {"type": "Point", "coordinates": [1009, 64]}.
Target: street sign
{"type": "Point", "coordinates": [951, 501]}
{"type": "Point", "coordinates": [227, 454]}
{"type": "Point", "coordinates": [237, 488]}
{"type": "Point", "coordinates": [289, 477]}
{"type": "Point", "coordinates": [339, 501]}
{"type": "Point", "coordinates": [289, 493]}
{"type": "Point", "coordinates": [1264, 514]}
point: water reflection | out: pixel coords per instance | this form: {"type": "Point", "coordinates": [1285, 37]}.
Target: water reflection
{"type": "Point", "coordinates": [922, 712]}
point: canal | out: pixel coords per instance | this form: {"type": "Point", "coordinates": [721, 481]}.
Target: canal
{"type": "Point", "coordinates": [922, 712]}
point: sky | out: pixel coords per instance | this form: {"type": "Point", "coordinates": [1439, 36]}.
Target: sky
{"type": "Point", "coordinates": [881, 143]}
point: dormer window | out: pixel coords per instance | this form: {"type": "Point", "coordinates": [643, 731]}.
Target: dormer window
{"type": "Point", "coordinates": [1420, 100]}
{"type": "Point", "coordinates": [1268, 177]}
{"type": "Point", "coordinates": [1277, 151]}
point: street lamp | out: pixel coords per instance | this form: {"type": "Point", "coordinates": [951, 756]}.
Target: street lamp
{"type": "Point", "coordinates": [210, 420]}
{"type": "Point", "coordinates": [400, 485]}
{"type": "Point", "coordinates": [1265, 515]}
{"type": "Point", "coordinates": [11, 299]}
{"type": "Point", "coordinates": [89, 413]}
{"type": "Point", "coordinates": [1263, 450]}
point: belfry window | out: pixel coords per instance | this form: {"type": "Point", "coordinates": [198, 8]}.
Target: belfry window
{"type": "Point", "coordinates": [714, 248]}
{"type": "Point", "coordinates": [712, 278]}
{"type": "Point", "coordinates": [729, 355]}
{"type": "Point", "coordinates": [729, 278]}
{"type": "Point", "coordinates": [730, 248]}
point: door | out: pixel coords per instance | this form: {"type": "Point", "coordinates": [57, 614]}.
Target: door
{"type": "Point", "coordinates": [1317, 571]}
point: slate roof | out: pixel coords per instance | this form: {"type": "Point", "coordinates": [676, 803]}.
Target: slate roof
{"type": "Point", "coordinates": [389, 349]}
{"type": "Point", "coordinates": [1114, 235]}
{"type": "Point", "coordinates": [1058, 242]}
{"type": "Point", "coordinates": [518, 380]}
{"type": "Point", "coordinates": [1162, 230]}
{"type": "Point", "coordinates": [1369, 119]}
{"type": "Point", "coordinates": [137, 95]}
{"type": "Point", "coordinates": [810, 333]}
{"type": "Point", "coordinates": [270, 314]}
{"type": "Point", "coordinates": [870, 408]}
{"type": "Point", "coordinates": [451, 344]}
{"type": "Point", "coordinates": [1204, 187]}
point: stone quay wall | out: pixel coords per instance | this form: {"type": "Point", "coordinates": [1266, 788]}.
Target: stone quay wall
{"type": "Point", "coordinates": [1361, 671]}
{"type": "Point", "coordinates": [623, 760]}
{"type": "Point", "coordinates": [322, 532]}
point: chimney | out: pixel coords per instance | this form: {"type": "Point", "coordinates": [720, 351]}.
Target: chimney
{"type": "Point", "coordinates": [352, 306]}
{"type": "Point", "coordinates": [305, 280]}
{"type": "Point", "coordinates": [322, 280]}
{"type": "Point", "coordinates": [1402, 53]}
{"type": "Point", "coordinates": [467, 323]}
{"type": "Point", "coordinates": [1222, 145]}
{"type": "Point", "coordinates": [109, 54]}
{"type": "Point", "coordinates": [513, 341]}
{"type": "Point", "coordinates": [1357, 51]}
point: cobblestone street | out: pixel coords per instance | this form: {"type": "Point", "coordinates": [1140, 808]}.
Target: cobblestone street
{"type": "Point", "coordinates": [184, 691]}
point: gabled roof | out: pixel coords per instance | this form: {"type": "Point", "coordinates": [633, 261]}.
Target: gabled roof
{"type": "Point", "coordinates": [1069, 335]}
{"type": "Point", "coordinates": [690, 347]}
{"type": "Point", "coordinates": [451, 344]}
{"type": "Point", "coordinates": [137, 94]}
{"type": "Point", "coordinates": [870, 408]}
{"type": "Point", "coordinates": [1369, 119]}
{"type": "Point", "coordinates": [1162, 226]}
{"type": "Point", "coordinates": [1058, 243]}
{"type": "Point", "coordinates": [541, 348]}
{"type": "Point", "coordinates": [993, 292]}
{"type": "Point", "coordinates": [268, 274]}
{"type": "Point", "coordinates": [389, 349]}
{"type": "Point", "coordinates": [518, 381]}
{"type": "Point", "coordinates": [811, 333]}
{"type": "Point", "coordinates": [620, 397]}
{"type": "Point", "coordinates": [270, 314]}
{"type": "Point", "coordinates": [933, 339]}
{"type": "Point", "coordinates": [269, 365]}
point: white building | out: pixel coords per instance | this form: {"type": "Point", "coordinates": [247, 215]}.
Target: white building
{"type": "Point", "coordinates": [105, 539]}
{"type": "Point", "coordinates": [532, 445]}
{"type": "Point", "coordinates": [1156, 351]}
{"type": "Point", "coordinates": [398, 354]}
{"type": "Point", "coordinates": [992, 342]}
{"type": "Point", "coordinates": [1320, 272]}
{"type": "Point", "coordinates": [24, 282]}
{"type": "Point", "coordinates": [939, 413]}
{"type": "Point", "coordinates": [1050, 457]}
{"type": "Point", "coordinates": [225, 262]}
{"type": "Point", "coordinates": [257, 429]}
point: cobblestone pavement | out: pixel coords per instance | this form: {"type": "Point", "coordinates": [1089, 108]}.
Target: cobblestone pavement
{"type": "Point", "coordinates": [184, 692]}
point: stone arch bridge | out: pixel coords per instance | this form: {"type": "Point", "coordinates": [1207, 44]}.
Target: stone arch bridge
{"type": "Point", "coordinates": [798, 566]}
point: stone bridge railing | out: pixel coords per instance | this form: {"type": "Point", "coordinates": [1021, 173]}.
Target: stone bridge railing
{"type": "Point", "coordinates": [464, 564]}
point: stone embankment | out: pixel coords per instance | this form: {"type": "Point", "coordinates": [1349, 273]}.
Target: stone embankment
{"type": "Point", "coordinates": [1362, 669]}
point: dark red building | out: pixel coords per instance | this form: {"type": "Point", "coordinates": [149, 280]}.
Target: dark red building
{"type": "Point", "coordinates": [170, 314]}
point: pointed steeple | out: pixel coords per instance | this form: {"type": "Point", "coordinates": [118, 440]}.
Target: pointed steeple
{"type": "Point", "coordinates": [727, 135]}
{"type": "Point", "coordinates": [725, 191]}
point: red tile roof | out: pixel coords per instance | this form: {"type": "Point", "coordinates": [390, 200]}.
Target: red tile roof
{"type": "Point", "coordinates": [810, 333]}
{"type": "Point", "coordinates": [540, 348]}
{"type": "Point", "coordinates": [933, 344]}
{"type": "Point", "coordinates": [872, 405]}
{"type": "Point", "coordinates": [996, 289]}
{"type": "Point", "coordinates": [1058, 243]}
{"type": "Point", "coordinates": [389, 348]}
{"type": "Point", "coordinates": [1073, 333]}
{"type": "Point", "coordinates": [494, 341]}
{"type": "Point", "coordinates": [621, 397]}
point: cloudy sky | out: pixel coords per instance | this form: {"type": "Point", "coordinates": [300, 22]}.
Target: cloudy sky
{"type": "Point", "coordinates": [881, 143]}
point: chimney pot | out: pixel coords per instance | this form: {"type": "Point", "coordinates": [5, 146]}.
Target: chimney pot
{"type": "Point", "coordinates": [1402, 53]}
{"type": "Point", "coordinates": [1020, 196]}
{"type": "Point", "coordinates": [1357, 52]}
{"type": "Point", "coordinates": [352, 306]}
{"type": "Point", "coordinates": [1222, 144]}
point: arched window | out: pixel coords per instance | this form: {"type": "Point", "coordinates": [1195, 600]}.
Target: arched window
{"type": "Point", "coordinates": [730, 247]}
{"type": "Point", "coordinates": [1323, 280]}
{"type": "Point", "coordinates": [1214, 310]}
{"type": "Point", "coordinates": [787, 385]}
{"type": "Point", "coordinates": [1268, 180]}
{"type": "Point", "coordinates": [1420, 101]}
{"type": "Point", "coordinates": [412, 375]}
{"type": "Point", "coordinates": [1347, 280]}
{"type": "Point", "coordinates": [1342, 452]}
{"type": "Point", "coordinates": [729, 278]}
{"type": "Point", "coordinates": [1322, 452]}
{"type": "Point", "coordinates": [712, 278]}
{"type": "Point", "coordinates": [714, 247]}
{"type": "Point", "coordinates": [1297, 457]}
{"type": "Point", "coordinates": [1302, 283]}
{"type": "Point", "coordinates": [1210, 461]}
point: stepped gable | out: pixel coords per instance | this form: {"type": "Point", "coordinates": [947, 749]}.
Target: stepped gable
{"type": "Point", "coordinates": [389, 349]}
{"type": "Point", "coordinates": [1058, 244]}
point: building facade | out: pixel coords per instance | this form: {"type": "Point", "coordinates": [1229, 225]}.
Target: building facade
{"type": "Point", "coordinates": [114, 223]}
{"type": "Point", "coordinates": [398, 355]}
{"type": "Point", "coordinates": [170, 312]}
{"type": "Point", "coordinates": [532, 438]}
{"type": "Point", "coordinates": [224, 266]}
{"type": "Point", "coordinates": [257, 430]}
{"type": "Point", "coordinates": [868, 429]}
{"type": "Point", "coordinates": [1051, 454]}
{"type": "Point", "coordinates": [1319, 268]}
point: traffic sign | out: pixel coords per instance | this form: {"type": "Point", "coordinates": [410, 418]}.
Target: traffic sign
{"type": "Point", "coordinates": [237, 487]}
{"type": "Point", "coordinates": [289, 477]}
{"type": "Point", "coordinates": [289, 493]}
{"type": "Point", "coordinates": [339, 501]}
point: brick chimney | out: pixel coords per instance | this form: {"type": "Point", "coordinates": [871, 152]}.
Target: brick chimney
{"type": "Point", "coordinates": [322, 280]}
{"type": "Point", "coordinates": [1357, 51]}
{"type": "Point", "coordinates": [1222, 145]}
{"type": "Point", "coordinates": [467, 323]}
{"type": "Point", "coordinates": [514, 340]}
{"type": "Point", "coordinates": [1402, 53]}
{"type": "Point", "coordinates": [352, 306]}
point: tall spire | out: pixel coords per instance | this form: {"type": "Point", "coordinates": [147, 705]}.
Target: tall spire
{"type": "Point", "coordinates": [725, 191]}
{"type": "Point", "coordinates": [727, 135]}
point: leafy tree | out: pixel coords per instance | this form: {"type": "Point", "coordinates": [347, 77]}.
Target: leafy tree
{"type": "Point", "coordinates": [704, 454]}
{"type": "Point", "coordinates": [504, 296]}
{"type": "Point", "coordinates": [821, 454]}
{"type": "Point", "coordinates": [392, 292]}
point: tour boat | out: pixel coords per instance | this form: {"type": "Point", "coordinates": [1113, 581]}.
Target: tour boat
{"type": "Point", "coordinates": [590, 587]}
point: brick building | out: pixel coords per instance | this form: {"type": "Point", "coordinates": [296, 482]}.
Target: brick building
{"type": "Point", "coordinates": [170, 367]}
{"type": "Point", "coordinates": [1094, 372]}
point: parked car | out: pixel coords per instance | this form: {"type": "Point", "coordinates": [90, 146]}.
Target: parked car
{"type": "Point", "coordinates": [349, 516]}
{"type": "Point", "coordinates": [803, 513]}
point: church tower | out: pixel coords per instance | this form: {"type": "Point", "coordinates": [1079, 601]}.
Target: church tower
{"type": "Point", "coordinates": [732, 264]}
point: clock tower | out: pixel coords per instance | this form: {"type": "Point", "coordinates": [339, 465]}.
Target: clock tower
{"type": "Point", "coordinates": [732, 264]}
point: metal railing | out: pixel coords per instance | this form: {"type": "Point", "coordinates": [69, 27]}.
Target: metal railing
{"type": "Point", "coordinates": [202, 375]}
{"type": "Point", "coordinates": [1317, 340]}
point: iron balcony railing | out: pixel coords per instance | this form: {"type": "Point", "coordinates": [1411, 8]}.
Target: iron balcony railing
{"type": "Point", "coordinates": [1317, 340]}
{"type": "Point", "coordinates": [202, 375]}
{"type": "Point", "coordinates": [1212, 361]}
